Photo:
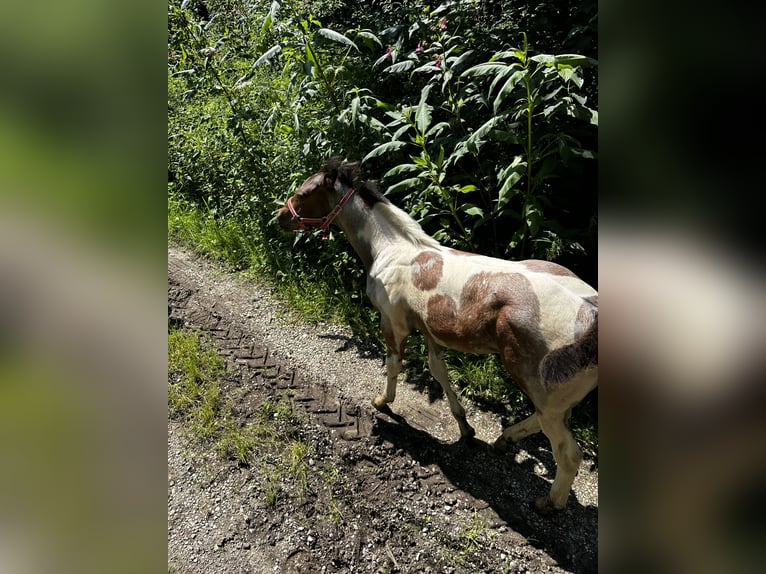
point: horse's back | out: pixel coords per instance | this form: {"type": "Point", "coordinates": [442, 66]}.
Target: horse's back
{"type": "Point", "coordinates": [482, 304]}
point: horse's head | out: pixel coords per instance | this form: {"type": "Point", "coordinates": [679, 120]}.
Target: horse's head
{"type": "Point", "coordinates": [319, 199]}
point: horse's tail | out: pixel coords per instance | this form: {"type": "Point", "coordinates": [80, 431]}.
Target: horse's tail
{"type": "Point", "coordinates": [565, 362]}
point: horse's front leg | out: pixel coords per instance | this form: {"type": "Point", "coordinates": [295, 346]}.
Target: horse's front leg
{"type": "Point", "coordinates": [395, 344]}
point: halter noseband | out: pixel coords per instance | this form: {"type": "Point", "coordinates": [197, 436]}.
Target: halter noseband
{"type": "Point", "coordinates": [323, 223]}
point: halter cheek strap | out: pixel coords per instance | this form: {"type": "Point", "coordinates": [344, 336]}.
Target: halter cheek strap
{"type": "Point", "coordinates": [323, 223]}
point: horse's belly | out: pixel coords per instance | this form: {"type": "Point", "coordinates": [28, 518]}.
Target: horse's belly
{"type": "Point", "coordinates": [467, 329]}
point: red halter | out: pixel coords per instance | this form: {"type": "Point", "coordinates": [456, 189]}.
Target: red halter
{"type": "Point", "coordinates": [323, 223]}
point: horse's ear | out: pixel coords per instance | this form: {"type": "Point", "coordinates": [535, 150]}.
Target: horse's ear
{"type": "Point", "coordinates": [331, 171]}
{"type": "Point", "coordinates": [349, 172]}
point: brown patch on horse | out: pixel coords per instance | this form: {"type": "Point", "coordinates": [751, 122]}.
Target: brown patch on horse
{"type": "Point", "coordinates": [497, 312]}
{"type": "Point", "coordinates": [426, 269]}
{"type": "Point", "coordinates": [563, 363]}
{"type": "Point", "coordinates": [541, 266]}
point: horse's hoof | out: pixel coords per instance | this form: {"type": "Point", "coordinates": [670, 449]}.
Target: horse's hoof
{"type": "Point", "coordinates": [544, 505]}
{"type": "Point", "coordinates": [380, 403]}
{"type": "Point", "coordinates": [386, 410]}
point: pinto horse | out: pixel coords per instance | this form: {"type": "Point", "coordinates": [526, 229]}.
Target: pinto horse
{"type": "Point", "coordinates": [538, 316]}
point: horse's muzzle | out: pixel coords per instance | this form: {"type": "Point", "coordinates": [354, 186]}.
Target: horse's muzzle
{"type": "Point", "coordinates": [286, 220]}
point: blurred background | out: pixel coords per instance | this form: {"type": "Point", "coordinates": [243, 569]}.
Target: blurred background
{"type": "Point", "coordinates": [682, 449]}
{"type": "Point", "coordinates": [83, 205]}
{"type": "Point", "coordinates": [82, 287]}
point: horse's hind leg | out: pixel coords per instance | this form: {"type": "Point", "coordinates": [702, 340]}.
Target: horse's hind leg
{"type": "Point", "coordinates": [515, 433]}
{"type": "Point", "coordinates": [439, 371]}
{"type": "Point", "coordinates": [567, 455]}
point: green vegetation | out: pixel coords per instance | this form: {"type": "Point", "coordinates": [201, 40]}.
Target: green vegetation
{"type": "Point", "coordinates": [197, 395]}
{"type": "Point", "coordinates": [478, 118]}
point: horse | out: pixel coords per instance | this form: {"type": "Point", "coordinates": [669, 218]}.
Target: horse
{"type": "Point", "coordinates": [538, 316]}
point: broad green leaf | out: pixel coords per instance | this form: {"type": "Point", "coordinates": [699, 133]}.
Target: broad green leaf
{"type": "Point", "coordinates": [399, 67]}
{"type": "Point", "coordinates": [552, 94]}
{"type": "Point", "coordinates": [474, 210]}
{"type": "Point", "coordinates": [446, 80]}
{"type": "Point", "coordinates": [268, 55]}
{"type": "Point", "coordinates": [381, 60]}
{"type": "Point", "coordinates": [507, 89]}
{"type": "Point", "coordinates": [566, 73]}
{"type": "Point", "coordinates": [354, 110]}
{"type": "Point", "coordinates": [580, 99]}
{"type": "Point", "coordinates": [473, 142]}
{"type": "Point", "coordinates": [375, 123]}
{"type": "Point", "coordinates": [502, 55]}
{"type": "Point", "coordinates": [468, 188]}
{"type": "Point", "coordinates": [510, 175]}
{"type": "Point", "coordinates": [384, 148]}
{"type": "Point", "coordinates": [487, 126]}
{"type": "Point", "coordinates": [429, 67]}
{"type": "Point", "coordinates": [267, 22]}
{"type": "Point", "coordinates": [401, 168]}
{"type": "Point", "coordinates": [310, 56]}
{"type": "Point", "coordinates": [499, 78]}
{"type": "Point", "coordinates": [462, 59]}
{"type": "Point", "coordinates": [369, 38]}
{"type": "Point", "coordinates": [400, 132]}
{"type": "Point", "coordinates": [532, 217]}
{"type": "Point", "coordinates": [336, 37]}
{"type": "Point", "coordinates": [423, 112]}
{"type": "Point", "coordinates": [548, 110]}
{"type": "Point", "coordinates": [507, 191]}
{"type": "Point", "coordinates": [543, 58]}
{"type": "Point", "coordinates": [485, 69]}
{"type": "Point", "coordinates": [405, 184]}
{"type": "Point", "coordinates": [583, 153]}
{"type": "Point", "coordinates": [460, 150]}
{"type": "Point", "coordinates": [575, 60]}
{"type": "Point", "coordinates": [436, 129]}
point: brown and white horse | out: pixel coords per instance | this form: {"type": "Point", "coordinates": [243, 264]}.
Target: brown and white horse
{"type": "Point", "coordinates": [538, 316]}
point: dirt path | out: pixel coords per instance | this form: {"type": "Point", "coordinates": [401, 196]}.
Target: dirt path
{"type": "Point", "coordinates": [406, 495]}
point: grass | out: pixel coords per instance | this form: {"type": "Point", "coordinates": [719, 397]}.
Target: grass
{"type": "Point", "coordinates": [471, 536]}
{"type": "Point", "coordinates": [271, 435]}
{"type": "Point", "coordinates": [194, 390]}
{"type": "Point", "coordinates": [222, 239]}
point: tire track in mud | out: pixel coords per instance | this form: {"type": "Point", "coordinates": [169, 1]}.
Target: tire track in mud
{"type": "Point", "coordinates": [255, 365]}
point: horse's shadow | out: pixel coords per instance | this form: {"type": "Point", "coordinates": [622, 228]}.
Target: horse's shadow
{"type": "Point", "coordinates": [508, 487]}
{"type": "Point", "coordinates": [472, 465]}
{"type": "Point", "coordinates": [364, 348]}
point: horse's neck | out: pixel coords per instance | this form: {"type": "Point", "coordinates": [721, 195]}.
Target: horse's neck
{"type": "Point", "coordinates": [373, 230]}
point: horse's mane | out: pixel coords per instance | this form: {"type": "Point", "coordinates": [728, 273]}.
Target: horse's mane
{"type": "Point", "coordinates": [350, 173]}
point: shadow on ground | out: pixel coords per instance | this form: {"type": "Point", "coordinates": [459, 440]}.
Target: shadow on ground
{"type": "Point", "coordinates": [508, 487]}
